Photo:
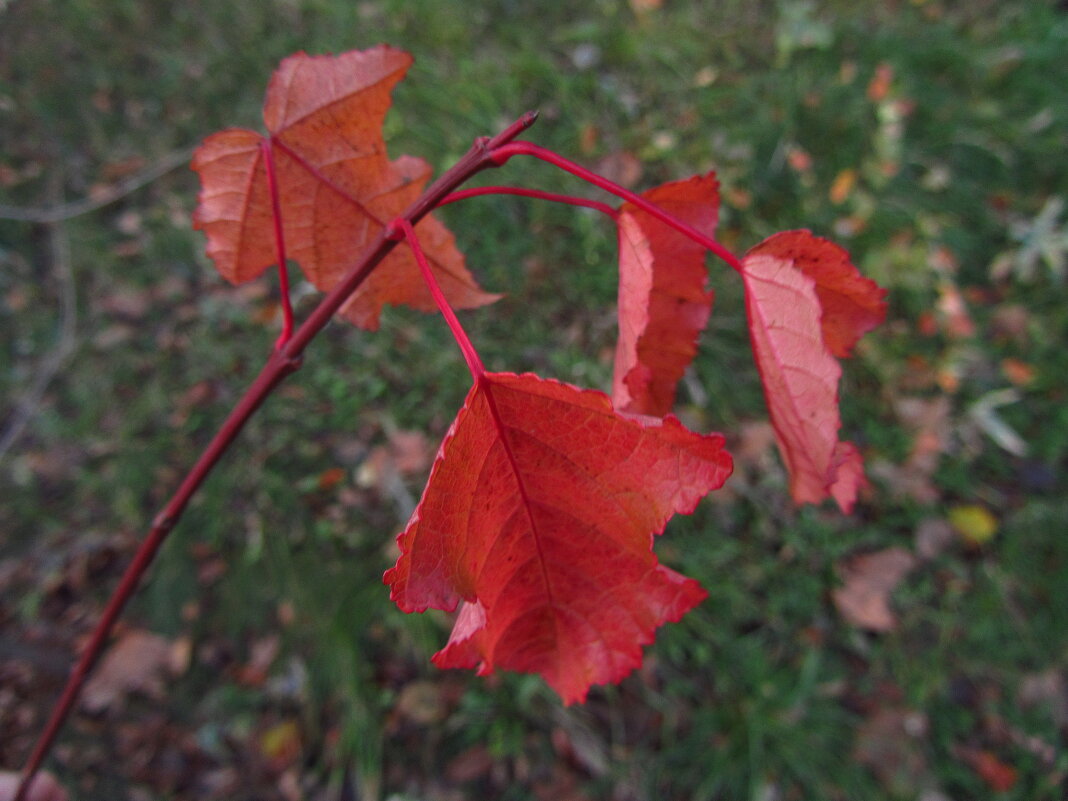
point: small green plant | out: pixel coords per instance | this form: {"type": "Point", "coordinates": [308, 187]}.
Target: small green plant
{"type": "Point", "coordinates": [542, 505]}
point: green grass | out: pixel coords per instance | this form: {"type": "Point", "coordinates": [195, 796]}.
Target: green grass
{"type": "Point", "coordinates": [764, 690]}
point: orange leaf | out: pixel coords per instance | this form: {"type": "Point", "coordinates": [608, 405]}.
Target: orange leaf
{"type": "Point", "coordinates": [234, 208]}
{"type": "Point", "coordinates": [842, 187]}
{"type": "Point", "coordinates": [540, 514]}
{"type": "Point", "coordinates": [336, 186]}
{"type": "Point", "coordinates": [664, 302]}
{"type": "Point", "coordinates": [1019, 373]}
{"type": "Point", "coordinates": [879, 86]}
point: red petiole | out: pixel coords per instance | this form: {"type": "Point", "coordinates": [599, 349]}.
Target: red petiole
{"type": "Point", "coordinates": [287, 355]}
{"type": "Point", "coordinates": [279, 246]}
{"type": "Point", "coordinates": [402, 229]}
{"type": "Point", "coordinates": [570, 200]}
{"type": "Point", "coordinates": [503, 154]}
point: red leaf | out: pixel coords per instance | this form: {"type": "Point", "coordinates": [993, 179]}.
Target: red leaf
{"type": "Point", "coordinates": [800, 379]}
{"type": "Point", "coordinates": [851, 304]}
{"type": "Point", "coordinates": [849, 476]}
{"type": "Point", "coordinates": [664, 302]}
{"type": "Point", "coordinates": [336, 185]}
{"type": "Point", "coordinates": [540, 513]}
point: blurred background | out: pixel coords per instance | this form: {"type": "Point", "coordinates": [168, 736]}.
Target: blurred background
{"type": "Point", "coordinates": [916, 649]}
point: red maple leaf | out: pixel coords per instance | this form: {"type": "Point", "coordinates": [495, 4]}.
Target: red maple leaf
{"type": "Point", "coordinates": [664, 302]}
{"type": "Point", "coordinates": [540, 513]}
{"type": "Point", "coordinates": [800, 378]}
{"type": "Point", "coordinates": [336, 187]}
{"type": "Point", "coordinates": [850, 304]}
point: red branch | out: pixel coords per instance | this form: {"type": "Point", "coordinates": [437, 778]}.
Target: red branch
{"type": "Point", "coordinates": [282, 361]}
{"type": "Point", "coordinates": [287, 356]}
{"type": "Point", "coordinates": [531, 149]}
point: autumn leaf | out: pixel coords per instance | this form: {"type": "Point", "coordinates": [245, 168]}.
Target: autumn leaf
{"type": "Point", "coordinates": [540, 514]}
{"type": "Point", "coordinates": [138, 663]}
{"type": "Point", "coordinates": [998, 775]}
{"type": "Point", "coordinates": [849, 478]}
{"type": "Point", "coordinates": [234, 206]}
{"type": "Point", "coordinates": [975, 524]}
{"type": "Point", "coordinates": [800, 378]}
{"type": "Point", "coordinates": [850, 304]}
{"type": "Point", "coordinates": [890, 743]}
{"type": "Point", "coordinates": [45, 787]}
{"type": "Point", "coordinates": [336, 186]}
{"type": "Point", "coordinates": [664, 302]}
{"type": "Point", "coordinates": [864, 598]}
{"type": "Point", "coordinates": [281, 744]}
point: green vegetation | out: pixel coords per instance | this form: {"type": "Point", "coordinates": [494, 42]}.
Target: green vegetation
{"type": "Point", "coordinates": [928, 137]}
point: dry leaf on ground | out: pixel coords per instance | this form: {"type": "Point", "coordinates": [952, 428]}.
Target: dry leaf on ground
{"type": "Point", "coordinates": [890, 745]}
{"type": "Point", "coordinates": [864, 599]}
{"type": "Point", "coordinates": [44, 787]}
{"type": "Point", "coordinates": [998, 775]}
{"type": "Point", "coordinates": [139, 662]}
{"type": "Point", "coordinates": [933, 536]}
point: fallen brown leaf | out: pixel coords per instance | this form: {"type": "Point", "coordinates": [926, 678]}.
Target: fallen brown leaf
{"type": "Point", "coordinates": [933, 536]}
{"type": "Point", "coordinates": [261, 656]}
{"type": "Point", "coordinates": [420, 703]}
{"type": "Point", "coordinates": [930, 422]}
{"type": "Point", "coordinates": [469, 765]}
{"type": "Point", "coordinates": [889, 744]}
{"type": "Point", "coordinates": [1046, 690]}
{"type": "Point", "coordinates": [864, 599]}
{"type": "Point", "coordinates": [138, 663]}
{"type": "Point", "coordinates": [44, 787]}
{"type": "Point", "coordinates": [953, 311]}
{"type": "Point", "coordinates": [754, 443]}
{"type": "Point", "coordinates": [622, 167]}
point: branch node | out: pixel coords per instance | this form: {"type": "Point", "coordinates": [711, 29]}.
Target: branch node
{"type": "Point", "coordinates": [290, 362]}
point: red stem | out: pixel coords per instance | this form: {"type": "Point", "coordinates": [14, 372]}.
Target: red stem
{"type": "Point", "coordinates": [279, 245]}
{"type": "Point", "coordinates": [402, 229]}
{"type": "Point", "coordinates": [280, 363]}
{"type": "Point", "coordinates": [571, 200]}
{"type": "Point", "coordinates": [530, 149]}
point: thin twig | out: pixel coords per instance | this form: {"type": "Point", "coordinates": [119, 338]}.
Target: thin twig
{"type": "Point", "coordinates": [66, 211]}
{"type": "Point", "coordinates": [30, 402]}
